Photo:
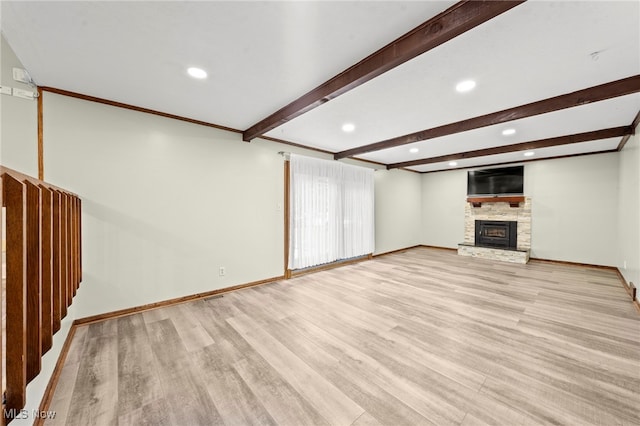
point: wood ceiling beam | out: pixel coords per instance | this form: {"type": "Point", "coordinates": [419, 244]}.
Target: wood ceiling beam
{"type": "Point", "coordinates": [634, 125]}
{"type": "Point", "coordinates": [524, 146]}
{"type": "Point", "coordinates": [454, 21]}
{"type": "Point", "coordinates": [502, 163]}
{"type": "Point", "coordinates": [602, 92]}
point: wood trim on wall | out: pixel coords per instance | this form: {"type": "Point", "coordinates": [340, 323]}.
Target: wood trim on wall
{"type": "Point", "coordinates": [134, 108]}
{"type": "Point", "coordinates": [570, 263]}
{"type": "Point", "coordinates": [298, 272]}
{"type": "Point", "coordinates": [628, 288]}
{"type": "Point", "coordinates": [297, 145]}
{"type": "Point", "coordinates": [395, 251]}
{"type": "Point", "coordinates": [175, 301]}
{"type": "Point", "coordinates": [623, 281]}
{"type": "Point", "coordinates": [287, 217]}
{"type": "Point", "coordinates": [40, 136]}
{"type": "Point", "coordinates": [57, 371]}
{"type": "Point", "coordinates": [439, 247]}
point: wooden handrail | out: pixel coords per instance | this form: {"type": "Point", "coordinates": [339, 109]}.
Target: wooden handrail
{"type": "Point", "coordinates": [44, 270]}
{"type": "Point", "coordinates": [24, 177]}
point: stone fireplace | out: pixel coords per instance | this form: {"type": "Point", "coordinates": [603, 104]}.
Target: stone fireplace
{"type": "Point", "coordinates": [497, 228]}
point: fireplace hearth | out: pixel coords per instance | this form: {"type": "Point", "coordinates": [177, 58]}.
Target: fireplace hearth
{"type": "Point", "coordinates": [496, 233]}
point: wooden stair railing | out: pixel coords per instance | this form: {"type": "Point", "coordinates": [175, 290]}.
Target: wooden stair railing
{"type": "Point", "coordinates": [43, 273]}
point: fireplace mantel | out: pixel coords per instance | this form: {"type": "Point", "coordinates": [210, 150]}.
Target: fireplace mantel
{"type": "Point", "coordinates": [513, 201]}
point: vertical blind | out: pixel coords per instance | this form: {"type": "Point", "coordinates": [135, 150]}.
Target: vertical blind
{"type": "Point", "coordinates": [331, 211]}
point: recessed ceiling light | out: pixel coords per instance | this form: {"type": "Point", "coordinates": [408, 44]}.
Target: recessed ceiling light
{"type": "Point", "coordinates": [465, 86]}
{"type": "Point", "coordinates": [414, 150]}
{"type": "Point", "coordinates": [453, 163]}
{"type": "Point", "coordinates": [508, 132]}
{"type": "Point", "coordinates": [348, 127]}
{"type": "Point", "coordinates": [197, 72]}
{"type": "Point", "coordinates": [529, 154]}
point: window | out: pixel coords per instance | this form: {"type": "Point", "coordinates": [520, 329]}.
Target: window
{"type": "Point", "coordinates": [331, 212]}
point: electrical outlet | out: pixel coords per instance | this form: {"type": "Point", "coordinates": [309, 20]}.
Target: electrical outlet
{"type": "Point", "coordinates": [223, 271]}
{"type": "Point", "coordinates": [5, 90]}
{"type": "Point", "coordinates": [624, 264]}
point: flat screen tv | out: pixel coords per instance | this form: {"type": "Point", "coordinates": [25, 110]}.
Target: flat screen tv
{"type": "Point", "coordinates": [501, 181]}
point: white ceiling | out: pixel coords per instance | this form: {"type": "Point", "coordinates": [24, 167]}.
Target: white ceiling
{"type": "Point", "coordinates": [262, 55]}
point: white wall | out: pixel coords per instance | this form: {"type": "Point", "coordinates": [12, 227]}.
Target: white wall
{"type": "Point", "coordinates": [398, 210]}
{"type": "Point", "coordinates": [443, 201]}
{"type": "Point", "coordinates": [165, 203]}
{"type": "Point", "coordinates": [629, 210]}
{"type": "Point", "coordinates": [19, 133]}
{"type": "Point", "coordinates": [574, 208]}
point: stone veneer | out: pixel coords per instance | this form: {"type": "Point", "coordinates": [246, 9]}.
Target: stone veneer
{"type": "Point", "coordinates": [498, 211]}
{"type": "Point", "coordinates": [494, 253]}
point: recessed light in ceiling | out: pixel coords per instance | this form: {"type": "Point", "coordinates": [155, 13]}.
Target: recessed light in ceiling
{"type": "Point", "coordinates": [414, 150]}
{"type": "Point", "coordinates": [453, 163]}
{"type": "Point", "coordinates": [529, 154]}
{"type": "Point", "coordinates": [198, 73]}
{"type": "Point", "coordinates": [508, 132]}
{"type": "Point", "coordinates": [465, 86]}
{"type": "Point", "coordinates": [348, 127]}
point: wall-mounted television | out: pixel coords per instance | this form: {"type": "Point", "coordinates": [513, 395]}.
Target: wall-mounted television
{"type": "Point", "coordinates": [500, 181]}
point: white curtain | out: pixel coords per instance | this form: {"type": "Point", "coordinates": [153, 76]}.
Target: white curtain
{"type": "Point", "coordinates": [331, 215]}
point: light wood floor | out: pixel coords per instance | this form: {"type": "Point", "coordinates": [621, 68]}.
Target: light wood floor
{"type": "Point", "coordinates": [415, 338]}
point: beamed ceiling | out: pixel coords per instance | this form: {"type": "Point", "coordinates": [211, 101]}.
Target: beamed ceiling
{"type": "Point", "coordinates": [565, 75]}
